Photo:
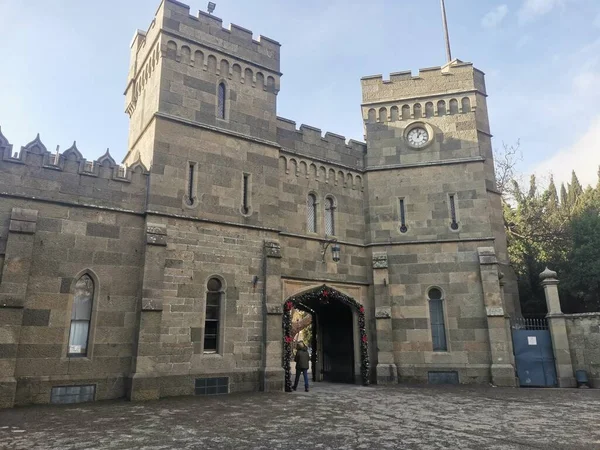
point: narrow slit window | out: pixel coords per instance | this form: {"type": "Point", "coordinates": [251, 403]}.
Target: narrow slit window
{"type": "Point", "coordinates": [191, 180]}
{"type": "Point", "coordinates": [81, 316]}
{"type": "Point", "coordinates": [222, 100]}
{"type": "Point", "coordinates": [453, 219]}
{"type": "Point", "coordinates": [245, 194]}
{"type": "Point", "coordinates": [311, 213]}
{"type": "Point", "coordinates": [329, 216]}
{"type": "Point", "coordinates": [212, 315]}
{"type": "Point", "coordinates": [436, 315]}
{"type": "Point", "coordinates": [403, 227]}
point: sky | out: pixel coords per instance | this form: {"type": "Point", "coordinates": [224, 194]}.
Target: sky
{"type": "Point", "coordinates": [64, 63]}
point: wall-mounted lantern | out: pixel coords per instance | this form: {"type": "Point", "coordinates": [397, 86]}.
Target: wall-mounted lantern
{"type": "Point", "coordinates": [335, 249]}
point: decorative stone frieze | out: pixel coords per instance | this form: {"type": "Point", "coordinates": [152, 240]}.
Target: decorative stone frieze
{"type": "Point", "coordinates": [380, 261]}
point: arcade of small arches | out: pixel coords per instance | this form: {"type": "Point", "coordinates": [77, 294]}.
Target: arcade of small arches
{"type": "Point", "coordinates": [417, 111]}
{"type": "Point", "coordinates": [219, 65]}
{"type": "Point", "coordinates": [308, 169]}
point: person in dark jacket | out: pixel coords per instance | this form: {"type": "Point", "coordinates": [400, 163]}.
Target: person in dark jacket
{"type": "Point", "coordinates": [302, 361]}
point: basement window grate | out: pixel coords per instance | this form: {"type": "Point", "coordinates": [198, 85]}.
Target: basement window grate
{"type": "Point", "coordinates": [72, 394]}
{"type": "Point", "coordinates": [212, 386]}
{"type": "Point", "coordinates": [442, 377]}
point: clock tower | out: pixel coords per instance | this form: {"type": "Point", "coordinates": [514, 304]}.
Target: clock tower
{"type": "Point", "coordinates": [433, 207]}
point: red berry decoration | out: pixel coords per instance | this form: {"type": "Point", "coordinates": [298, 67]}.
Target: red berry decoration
{"type": "Point", "coordinates": [325, 293]}
{"type": "Point", "coordinates": [288, 339]}
{"type": "Point", "coordinates": [288, 305]}
{"type": "Point", "coordinates": [364, 338]}
{"type": "Point", "coordinates": [362, 309]}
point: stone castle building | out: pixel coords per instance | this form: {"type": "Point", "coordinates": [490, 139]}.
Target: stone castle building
{"type": "Point", "coordinates": [169, 275]}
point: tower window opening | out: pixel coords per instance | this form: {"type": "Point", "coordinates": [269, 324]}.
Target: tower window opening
{"type": "Point", "coordinates": [222, 99]}
{"type": "Point", "coordinates": [311, 216]}
{"type": "Point", "coordinates": [403, 227]}
{"type": "Point", "coordinates": [453, 219]}
{"type": "Point", "coordinates": [245, 198]}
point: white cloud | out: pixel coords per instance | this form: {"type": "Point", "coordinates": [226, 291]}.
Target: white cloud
{"type": "Point", "coordinates": [597, 21]}
{"type": "Point", "coordinates": [583, 157]}
{"type": "Point", "coordinates": [495, 17]}
{"type": "Point", "coordinates": [535, 8]}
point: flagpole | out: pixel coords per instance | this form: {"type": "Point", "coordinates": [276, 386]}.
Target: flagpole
{"type": "Point", "coordinates": [446, 34]}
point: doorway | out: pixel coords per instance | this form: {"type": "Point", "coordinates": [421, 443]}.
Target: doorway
{"type": "Point", "coordinates": [339, 338]}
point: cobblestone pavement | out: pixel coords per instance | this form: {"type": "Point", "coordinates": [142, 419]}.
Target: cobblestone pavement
{"type": "Point", "coordinates": [330, 416]}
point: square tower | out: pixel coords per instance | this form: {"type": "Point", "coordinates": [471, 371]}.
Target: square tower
{"type": "Point", "coordinates": [432, 205]}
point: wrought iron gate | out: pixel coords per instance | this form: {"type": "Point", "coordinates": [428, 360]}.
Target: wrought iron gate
{"type": "Point", "coordinates": [534, 356]}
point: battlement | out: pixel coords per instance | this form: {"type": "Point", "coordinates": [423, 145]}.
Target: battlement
{"type": "Point", "coordinates": [455, 77]}
{"type": "Point", "coordinates": [38, 173]}
{"type": "Point", "coordinates": [310, 141]}
{"type": "Point", "coordinates": [207, 29]}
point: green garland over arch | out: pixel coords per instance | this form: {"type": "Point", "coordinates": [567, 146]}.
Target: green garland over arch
{"type": "Point", "coordinates": [322, 293]}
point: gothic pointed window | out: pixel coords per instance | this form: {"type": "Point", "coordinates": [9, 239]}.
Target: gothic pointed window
{"type": "Point", "coordinates": [311, 213]}
{"type": "Point", "coordinates": [81, 316]}
{"type": "Point", "coordinates": [330, 216]}
{"type": "Point", "coordinates": [222, 100]}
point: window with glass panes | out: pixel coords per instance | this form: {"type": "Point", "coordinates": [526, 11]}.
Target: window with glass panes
{"type": "Point", "coordinates": [81, 316]}
{"type": "Point", "coordinates": [212, 315]}
{"type": "Point", "coordinates": [329, 216]}
{"type": "Point", "coordinates": [311, 213]}
{"type": "Point", "coordinates": [222, 98]}
{"type": "Point", "coordinates": [436, 316]}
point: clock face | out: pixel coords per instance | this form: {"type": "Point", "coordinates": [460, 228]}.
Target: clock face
{"type": "Point", "coordinates": [418, 137]}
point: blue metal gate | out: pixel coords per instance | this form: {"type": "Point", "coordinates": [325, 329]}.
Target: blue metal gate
{"type": "Point", "coordinates": [534, 356]}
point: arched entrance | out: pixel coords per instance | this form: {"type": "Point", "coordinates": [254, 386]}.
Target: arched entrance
{"type": "Point", "coordinates": [328, 306]}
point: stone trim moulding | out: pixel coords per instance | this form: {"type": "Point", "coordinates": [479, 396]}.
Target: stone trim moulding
{"type": "Point", "coordinates": [494, 311]}
{"type": "Point", "coordinates": [487, 256]}
{"type": "Point", "coordinates": [272, 249]}
{"type": "Point", "coordinates": [430, 241]}
{"type": "Point", "coordinates": [327, 281]}
{"type": "Point", "coordinates": [216, 222]}
{"type": "Point", "coordinates": [383, 312]}
{"type": "Point", "coordinates": [193, 123]}
{"type": "Point", "coordinates": [23, 221]}
{"type": "Point", "coordinates": [321, 160]}
{"type": "Point", "coordinates": [426, 164]}
{"type": "Point", "coordinates": [72, 204]}
{"type": "Point", "coordinates": [421, 97]}
{"type": "Point", "coordinates": [274, 309]}
{"type": "Point", "coordinates": [380, 261]}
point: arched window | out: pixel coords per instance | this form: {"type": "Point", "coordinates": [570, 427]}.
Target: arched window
{"type": "Point", "coordinates": [311, 213]}
{"type": "Point", "coordinates": [453, 106]}
{"type": "Point", "coordinates": [466, 105]}
{"type": "Point", "coordinates": [222, 99]}
{"type": "Point", "coordinates": [81, 316]}
{"type": "Point", "coordinates": [441, 108]}
{"type": "Point", "coordinates": [329, 216]}
{"type": "Point", "coordinates": [429, 109]}
{"type": "Point", "coordinates": [212, 316]}
{"type": "Point", "coordinates": [436, 316]}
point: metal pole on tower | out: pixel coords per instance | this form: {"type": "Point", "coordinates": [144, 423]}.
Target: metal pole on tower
{"type": "Point", "coordinates": [446, 34]}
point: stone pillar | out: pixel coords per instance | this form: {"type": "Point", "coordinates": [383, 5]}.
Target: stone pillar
{"type": "Point", "coordinates": [558, 330]}
{"type": "Point", "coordinates": [13, 289]}
{"type": "Point", "coordinates": [387, 371]}
{"type": "Point", "coordinates": [502, 369]}
{"type": "Point", "coordinates": [144, 383]}
{"type": "Point", "coordinates": [272, 370]}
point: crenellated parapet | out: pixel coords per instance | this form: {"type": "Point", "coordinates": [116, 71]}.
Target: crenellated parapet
{"type": "Point", "coordinates": [208, 29]}
{"type": "Point", "coordinates": [449, 81]}
{"type": "Point", "coordinates": [310, 142]}
{"type": "Point", "coordinates": [38, 173]}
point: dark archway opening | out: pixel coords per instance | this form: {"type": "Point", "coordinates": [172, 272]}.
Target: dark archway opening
{"type": "Point", "coordinates": [333, 336]}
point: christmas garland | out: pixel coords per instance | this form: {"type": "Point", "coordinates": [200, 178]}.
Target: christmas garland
{"type": "Point", "coordinates": [321, 294]}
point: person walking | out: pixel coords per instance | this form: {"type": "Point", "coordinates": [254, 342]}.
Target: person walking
{"type": "Point", "coordinates": [302, 361]}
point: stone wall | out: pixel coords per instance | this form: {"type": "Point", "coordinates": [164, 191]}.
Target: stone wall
{"type": "Point", "coordinates": [584, 341]}
{"type": "Point", "coordinates": [61, 218]}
